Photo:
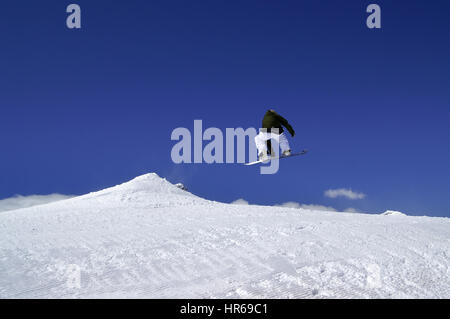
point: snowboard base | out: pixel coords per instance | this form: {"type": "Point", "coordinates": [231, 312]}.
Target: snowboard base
{"type": "Point", "coordinates": [303, 152]}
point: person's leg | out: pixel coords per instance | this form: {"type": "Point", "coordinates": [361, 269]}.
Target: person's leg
{"type": "Point", "coordinates": [260, 141]}
{"type": "Point", "coordinates": [269, 146]}
{"type": "Point", "coordinates": [284, 144]}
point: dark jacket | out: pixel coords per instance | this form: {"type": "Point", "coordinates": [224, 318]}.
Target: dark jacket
{"type": "Point", "coordinates": [274, 120]}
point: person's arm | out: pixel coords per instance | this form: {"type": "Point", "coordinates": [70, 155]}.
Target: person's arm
{"type": "Point", "coordinates": [285, 123]}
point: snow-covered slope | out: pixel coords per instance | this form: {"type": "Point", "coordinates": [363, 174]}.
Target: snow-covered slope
{"type": "Point", "coordinates": [393, 213]}
{"type": "Point", "coordinates": [148, 238]}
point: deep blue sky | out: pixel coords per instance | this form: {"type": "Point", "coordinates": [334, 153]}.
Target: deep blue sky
{"type": "Point", "coordinates": [81, 110]}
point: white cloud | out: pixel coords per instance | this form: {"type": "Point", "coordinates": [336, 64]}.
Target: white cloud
{"type": "Point", "coordinates": [307, 206]}
{"type": "Point", "coordinates": [317, 207]}
{"type": "Point", "coordinates": [297, 205]}
{"type": "Point", "coordinates": [333, 193]}
{"type": "Point", "coordinates": [352, 210]}
{"type": "Point", "coordinates": [289, 205]}
{"type": "Point", "coordinates": [240, 201]}
{"type": "Point", "coordinates": [19, 201]}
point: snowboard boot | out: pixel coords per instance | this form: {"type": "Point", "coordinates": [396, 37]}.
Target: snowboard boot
{"type": "Point", "coordinates": [287, 153]}
{"type": "Point", "coordinates": [263, 157]}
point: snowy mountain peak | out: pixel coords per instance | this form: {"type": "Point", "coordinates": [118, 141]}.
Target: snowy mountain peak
{"type": "Point", "coordinates": [393, 213]}
{"type": "Point", "coordinates": [148, 190]}
{"type": "Point", "coordinates": [149, 177]}
{"type": "Point", "coordinates": [147, 184]}
{"type": "Point", "coordinates": [150, 182]}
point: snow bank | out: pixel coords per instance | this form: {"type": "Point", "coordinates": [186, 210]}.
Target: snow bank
{"type": "Point", "coordinates": [181, 186]}
{"type": "Point", "coordinates": [148, 238]}
{"type": "Point", "coordinates": [393, 213]}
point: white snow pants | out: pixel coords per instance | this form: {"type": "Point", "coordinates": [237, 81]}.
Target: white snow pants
{"type": "Point", "coordinates": [262, 137]}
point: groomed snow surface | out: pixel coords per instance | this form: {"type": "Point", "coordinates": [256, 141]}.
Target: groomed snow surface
{"type": "Point", "coordinates": [150, 239]}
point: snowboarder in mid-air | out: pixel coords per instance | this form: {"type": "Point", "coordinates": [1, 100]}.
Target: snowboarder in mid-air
{"type": "Point", "coordinates": [272, 128]}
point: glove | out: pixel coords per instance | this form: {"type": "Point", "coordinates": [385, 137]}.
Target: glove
{"type": "Point", "coordinates": [292, 132]}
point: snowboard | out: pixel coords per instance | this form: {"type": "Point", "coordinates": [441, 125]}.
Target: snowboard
{"type": "Point", "coordinates": [303, 152]}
